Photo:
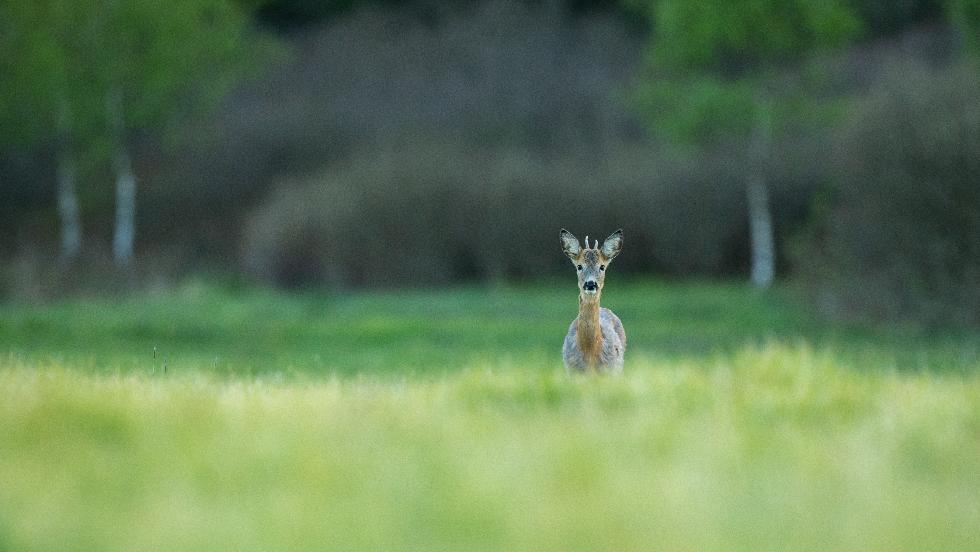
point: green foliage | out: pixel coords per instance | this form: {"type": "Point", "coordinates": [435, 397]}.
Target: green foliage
{"type": "Point", "coordinates": [164, 57]}
{"type": "Point", "coordinates": [965, 15]}
{"type": "Point", "coordinates": [727, 37]}
{"type": "Point", "coordinates": [39, 70]}
{"type": "Point", "coordinates": [705, 106]}
{"type": "Point", "coordinates": [161, 58]}
{"type": "Point", "coordinates": [711, 62]}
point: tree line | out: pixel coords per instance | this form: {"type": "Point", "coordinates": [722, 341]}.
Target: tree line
{"type": "Point", "coordinates": [717, 96]}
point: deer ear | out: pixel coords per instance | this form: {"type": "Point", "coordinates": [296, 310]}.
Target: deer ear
{"type": "Point", "coordinates": [613, 245]}
{"type": "Point", "coordinates": [569, 244]}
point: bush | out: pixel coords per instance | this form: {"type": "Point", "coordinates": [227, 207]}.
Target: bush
{"type": "Point", "coordinates": [440, 214]}
{"type": "Point", "coordinates": [502, 74]}
{"type": "Point", "coordinates": [899, 236]}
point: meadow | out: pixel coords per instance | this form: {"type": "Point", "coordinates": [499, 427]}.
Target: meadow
{"type": "Point", "coordinates": [211, 418]}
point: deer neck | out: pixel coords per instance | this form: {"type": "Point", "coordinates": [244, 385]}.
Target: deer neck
{"type": "Point", "coordinates": [588, 333]}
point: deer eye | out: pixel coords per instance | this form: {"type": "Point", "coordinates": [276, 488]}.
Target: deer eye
{"type": "Point", "coordinates": [602, 267]}
{"type": "Point", "coordinates": [580, 267]}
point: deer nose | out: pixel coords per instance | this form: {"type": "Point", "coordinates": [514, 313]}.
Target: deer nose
{"type": "Point", "coordinates": [590, 285]}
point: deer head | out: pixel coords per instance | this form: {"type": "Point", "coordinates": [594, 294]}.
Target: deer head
{"type": "Point", "coordinates": [591, 263]}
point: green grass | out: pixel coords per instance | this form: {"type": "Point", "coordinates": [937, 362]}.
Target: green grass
{"type": "Point", "coordinates": [202, 328]}
{"type": "Point", "coordinates": [442, 420]}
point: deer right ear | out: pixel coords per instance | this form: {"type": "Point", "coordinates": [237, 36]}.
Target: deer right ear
{"type": "Point", "coordinates": [613, 245]}
{"type": "Point", "coordinates": [569, 244]}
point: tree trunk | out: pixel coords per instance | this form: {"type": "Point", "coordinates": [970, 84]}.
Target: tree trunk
{"type": "Point", "coordinates": [760, 227]}
{"type": "Point", "coordinates": [68, 214]}
{"type": "Point", "coordinates": [124, 232]}
{"type": "Point", "coordinates": [71, 224]}
{"type": "Point", "coordinates": [762, 238]}
{"type": "Point", "coordinates": [125, 229]}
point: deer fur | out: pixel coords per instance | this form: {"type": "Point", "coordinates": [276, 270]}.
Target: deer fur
{"type": "Point", "coordinates": [596, 340]}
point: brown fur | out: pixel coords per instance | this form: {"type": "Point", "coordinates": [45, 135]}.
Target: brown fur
{"type": "Point", "coordinates": [589, 333]}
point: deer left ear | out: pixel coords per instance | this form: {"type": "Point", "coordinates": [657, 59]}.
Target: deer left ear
{"type": "Point", "coordinates": [569, 244]}
{"type": "Point", "coordinates": [613, 245]}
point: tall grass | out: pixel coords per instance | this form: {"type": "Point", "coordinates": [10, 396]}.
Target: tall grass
{"type": "Point", "coordinates": [776, 447]}
{"type": "Point", "coordinates": [211, 420]}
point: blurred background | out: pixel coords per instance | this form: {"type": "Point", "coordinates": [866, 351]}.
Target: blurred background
{"type": "Point", "coordinates": [831, 146]}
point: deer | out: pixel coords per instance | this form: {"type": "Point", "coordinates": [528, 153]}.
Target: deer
{"type": "Point", "coordinates": [596, 339]}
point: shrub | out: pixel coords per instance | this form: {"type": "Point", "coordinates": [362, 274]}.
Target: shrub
{"type": "Point", "coordinates": [433, 215]}
{"type": "Point", "coordinates": [503, 74]}
{"type": "Point", "coordinates": [899, 235]}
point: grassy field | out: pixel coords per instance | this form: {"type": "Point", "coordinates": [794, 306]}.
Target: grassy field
{"type": "Point", "coordinates": [202, 419]}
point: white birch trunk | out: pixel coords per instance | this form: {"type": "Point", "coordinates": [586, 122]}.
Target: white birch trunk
{"type": "Point", "coordinates": [760, 228]}
{"type": "Point", "coordinates": [762, 238]}
{"type": "Point", "coordinates": [71, 223]}
{"type": "Point", "coordinates": [124, 232]}
{"type": "Point", "coordinates": [68, 212]}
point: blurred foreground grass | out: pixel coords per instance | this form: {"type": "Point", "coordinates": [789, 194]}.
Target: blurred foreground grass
{"type": "Point", "coordinates": [430, 420]}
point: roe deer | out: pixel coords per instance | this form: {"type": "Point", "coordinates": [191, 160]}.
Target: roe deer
{"type": "Point", "coordinates": [596, 340]}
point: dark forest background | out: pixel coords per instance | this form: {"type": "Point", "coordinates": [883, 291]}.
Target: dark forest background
{"type": "Point", "coordinates": [376, 143]}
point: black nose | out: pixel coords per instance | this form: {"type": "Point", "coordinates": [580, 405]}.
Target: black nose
{"type": "Point", "coordinates": [590, 286]}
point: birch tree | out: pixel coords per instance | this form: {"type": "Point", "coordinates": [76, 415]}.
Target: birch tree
{"type": "Point", "coordinates": [713, 65]}
{"type": "Point", "coordinates": [156, 60]}
{"type": "Point", "coordinates": [91, 75]}
{"type": "Point", "coordinates": [43, 98]}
